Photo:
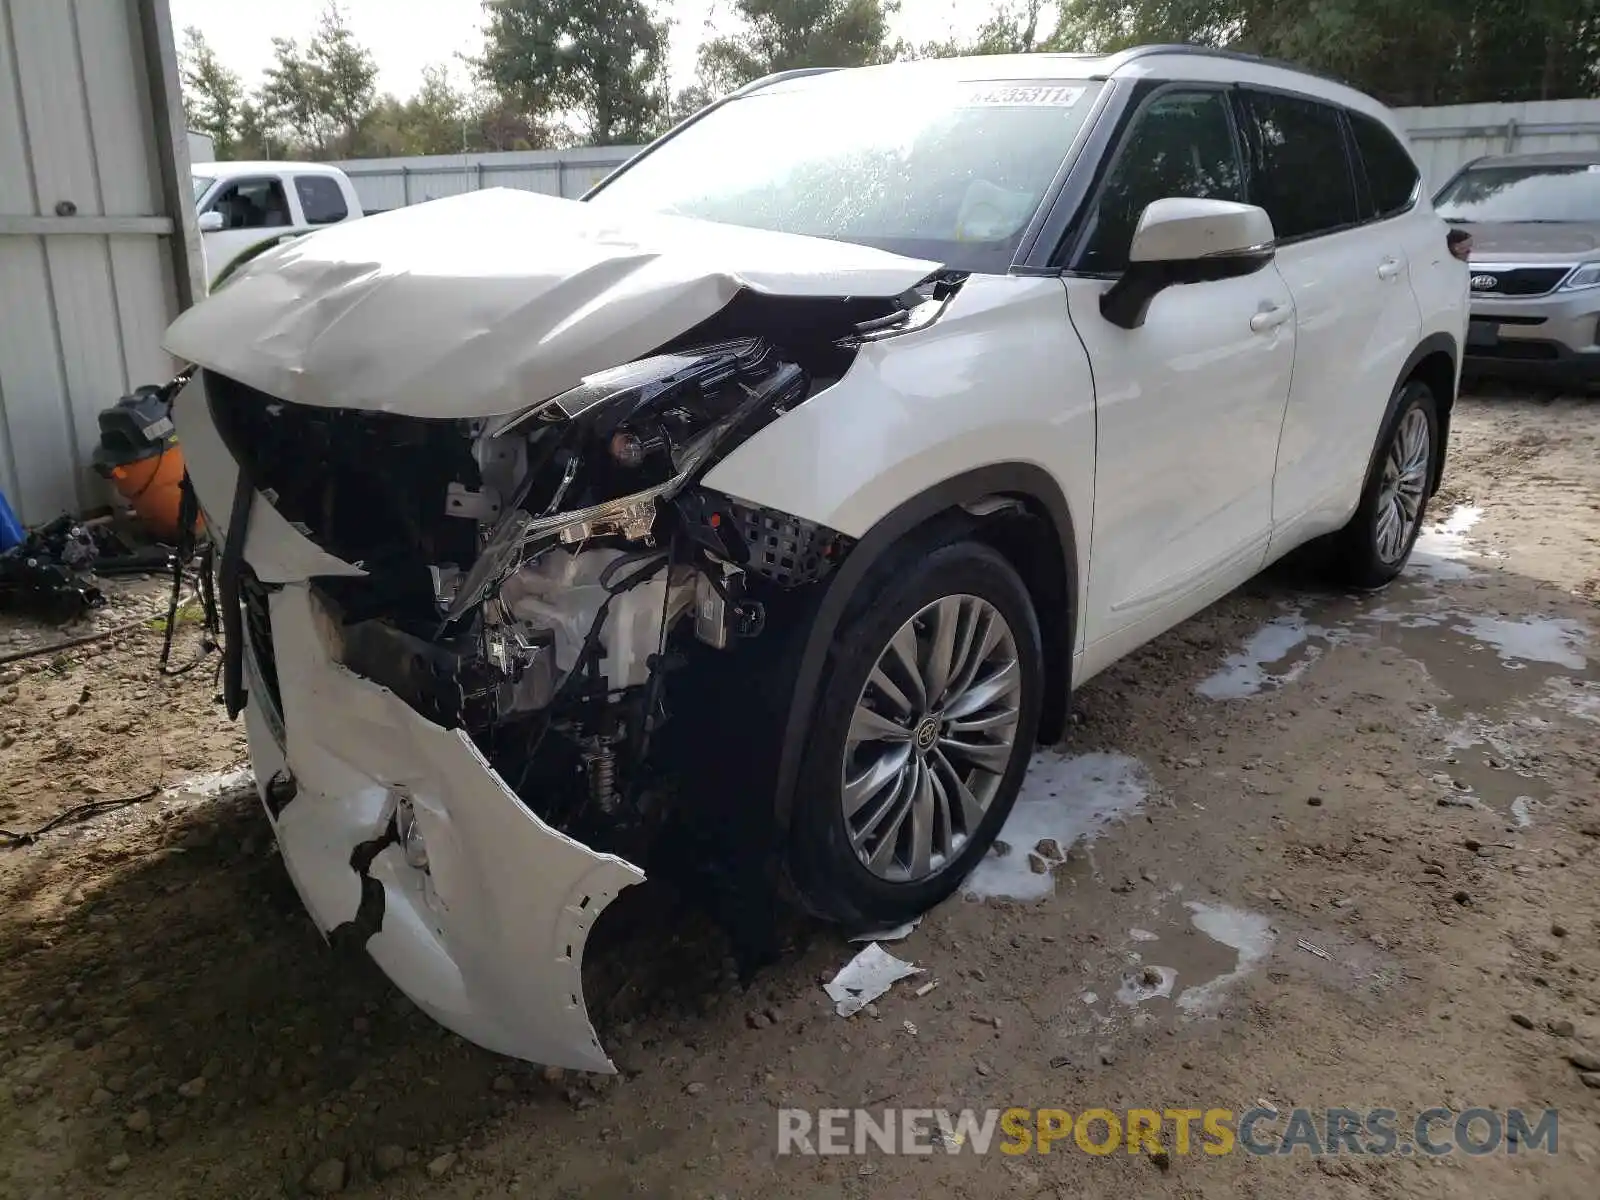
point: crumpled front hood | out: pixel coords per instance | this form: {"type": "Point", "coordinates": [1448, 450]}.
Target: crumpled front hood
{"type": "Point", "coordinates": [482, 304]}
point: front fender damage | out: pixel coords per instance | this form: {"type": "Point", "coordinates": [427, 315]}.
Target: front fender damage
{"type": "Point", "coordinates": [489, 938]}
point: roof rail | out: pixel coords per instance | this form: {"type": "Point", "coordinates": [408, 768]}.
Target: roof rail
{"type": "Point", "coordinates": [1218, 52]}
{"type": "Point", "coordinates": [756, 85]}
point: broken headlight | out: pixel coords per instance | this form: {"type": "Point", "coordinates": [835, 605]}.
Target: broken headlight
{"type": "Point", "coordinates": [622, 441]}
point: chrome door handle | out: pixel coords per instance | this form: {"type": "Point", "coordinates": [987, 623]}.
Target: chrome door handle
{"type": "Point", "coordinates": [1270, 318]}
{"type": "Point", "coordinates": [1389, 268]}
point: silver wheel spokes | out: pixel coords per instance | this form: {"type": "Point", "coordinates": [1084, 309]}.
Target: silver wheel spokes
{"type": "Point", "coordinates": [1405, 485]}
{"type": "Point", "coordinates": [930, 738]}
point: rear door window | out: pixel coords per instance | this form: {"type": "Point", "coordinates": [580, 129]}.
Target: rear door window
{"type": "Point", "coordinates": [1392, 178]}
{"type": "Point", "coordinates": [321, 198]}
{"type": "Point", "coordinates": [1299, 169]}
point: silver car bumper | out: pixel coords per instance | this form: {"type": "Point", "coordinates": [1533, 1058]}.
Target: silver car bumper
{"type": "Point", "coordinates": [1557, 335]}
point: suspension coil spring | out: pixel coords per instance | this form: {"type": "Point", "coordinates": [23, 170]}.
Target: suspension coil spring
{"type": "Point", "coordinates": [601, 761]}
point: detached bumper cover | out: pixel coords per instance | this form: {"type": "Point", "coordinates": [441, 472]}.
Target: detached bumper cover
{"type": "Point", "coordinates": [489, 939]}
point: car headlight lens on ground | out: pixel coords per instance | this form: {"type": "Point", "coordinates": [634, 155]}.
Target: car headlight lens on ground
{"type": "Point", "coordinates": [1586, 276]}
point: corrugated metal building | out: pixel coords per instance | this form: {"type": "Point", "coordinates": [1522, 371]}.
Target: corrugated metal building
{"type": "Point", "coordinates": [98, 246]}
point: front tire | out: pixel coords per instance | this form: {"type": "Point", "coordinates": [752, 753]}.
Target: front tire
{"type": "Point", "coordinates": [1374, 547]}
{"type": "Point", "coordinates": [924, 725]}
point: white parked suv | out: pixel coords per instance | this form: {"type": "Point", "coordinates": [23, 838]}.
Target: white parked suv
{"type": "Point", "coordinates": [754, 518]}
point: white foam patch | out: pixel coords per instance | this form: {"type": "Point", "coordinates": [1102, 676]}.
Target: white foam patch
{"type": "Point", "coordinates": [1147, 983]}
{"type": "Point", "coordinates": [212, 785]}
{"type": "Point", "coordinates": [1581, 698]}
{"type": "Point", "coordinates": [1442, 547]}
{"type": "Point", "coordinates": [1531, 639]}
{"type": "Point", "coordinates": [1066, 798]}
{"type": "Point", "coordinates": [1245, 672]}
{"type": "Point", "coordinates": [1246, 933]}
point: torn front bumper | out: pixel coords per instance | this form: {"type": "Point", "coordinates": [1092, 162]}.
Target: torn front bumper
{"type": "Point", "coordinates": [488, 939]}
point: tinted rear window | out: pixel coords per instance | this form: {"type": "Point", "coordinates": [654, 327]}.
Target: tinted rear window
{"type": "Point", "coordinates": [1299, 169]}
{"type": "Point", "coordinates": [1391, 175]}
{"type": "Point", "coordinates": [321, 199]}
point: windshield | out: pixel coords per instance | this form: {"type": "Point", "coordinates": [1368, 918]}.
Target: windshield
{"type": "Point", "coordinates": [201, 183]}
{"type": "Point", "coordinates": [1523, 193]}
{"type": "Point", "coordinates": [948, 171]}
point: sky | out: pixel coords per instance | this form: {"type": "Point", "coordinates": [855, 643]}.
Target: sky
{"type": "Point", "coordinates": [407, 35]}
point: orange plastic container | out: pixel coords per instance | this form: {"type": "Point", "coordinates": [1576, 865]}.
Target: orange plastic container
{"type": "Point", "coordinates": [139, 454]}
{"type": "Point", "coordinates": [150, 485]}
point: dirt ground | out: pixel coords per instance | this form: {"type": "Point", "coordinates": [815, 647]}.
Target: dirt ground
{"type": "Point", "coordinates": [1329, 850]}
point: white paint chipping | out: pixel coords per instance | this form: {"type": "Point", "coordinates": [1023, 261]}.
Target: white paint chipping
{"type": "Point", "coordinates": [1248, 934]}
{"type": "Point", "coordinates": [1065, 798]}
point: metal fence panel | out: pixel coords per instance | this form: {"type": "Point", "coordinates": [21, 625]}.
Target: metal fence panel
{"type": "Point", "coordinates": [384, 183]}
{"type": "Point", "coordinates": [1446, 137]}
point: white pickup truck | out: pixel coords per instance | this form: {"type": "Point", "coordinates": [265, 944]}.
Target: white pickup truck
{"type": "Point", "coordinates": [243, 204]}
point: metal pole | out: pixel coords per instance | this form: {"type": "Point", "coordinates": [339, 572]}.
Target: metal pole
{"type": "Point", "coordinates": [172, 148]}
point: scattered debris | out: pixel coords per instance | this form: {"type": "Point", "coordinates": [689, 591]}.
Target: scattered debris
{"type": "Point", "coordinates": [894, 933]}
{"type": "Point", "coordinates": [1147, 983]}
{"type": "Point", "coordinates": [925, 988]}
{"type": "Point", "coordinates": [1522, 1019]}
{"type": "Point", "coordinates": [864, 978]}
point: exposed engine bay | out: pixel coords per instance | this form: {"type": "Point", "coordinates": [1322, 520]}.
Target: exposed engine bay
{"type": "Point", "coordinates": [557, 583]}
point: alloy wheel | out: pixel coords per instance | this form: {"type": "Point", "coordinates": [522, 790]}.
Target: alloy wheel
{"type": "Point", "coordinates": [930, 738]}
{"type": "Point", "coordinates": [1404, 486]}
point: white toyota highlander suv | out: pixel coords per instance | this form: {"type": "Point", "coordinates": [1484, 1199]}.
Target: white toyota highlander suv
{"type": "Point", "coordinates": [753, 518]}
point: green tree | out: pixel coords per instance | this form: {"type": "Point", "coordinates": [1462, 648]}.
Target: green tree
{"type": "Point", "coordinates": [1402, 51]}
{"type": "Point", "coordinates": [780, 35]}
{"type": "Point", "coordinates": [213, 95]}
{"type": "Point", "coordinates": [317, 99]}
{"type": "Point", "coordinates": [255, 132]}
{"type": "Point", "coordinates": [599, 61]}
{"type": "Point", "coordinates": [291, 101]}
{"type": "Point", "coordinates": [1009, 29]}
{"type": "Point", "coordinates": [346, 75]}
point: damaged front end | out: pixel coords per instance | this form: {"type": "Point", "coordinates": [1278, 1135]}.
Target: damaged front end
{"type": "Point", "coordinates": [484, 662]}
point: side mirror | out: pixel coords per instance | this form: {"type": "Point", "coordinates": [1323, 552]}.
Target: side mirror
{"type": "Point", "coordinates": [1187, 241]}
{"type": "Point", "coordinates": [210, 222]}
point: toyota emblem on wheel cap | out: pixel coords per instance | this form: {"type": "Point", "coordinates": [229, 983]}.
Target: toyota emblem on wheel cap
{"type": "Point", "coordinates": [1485, 283]}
